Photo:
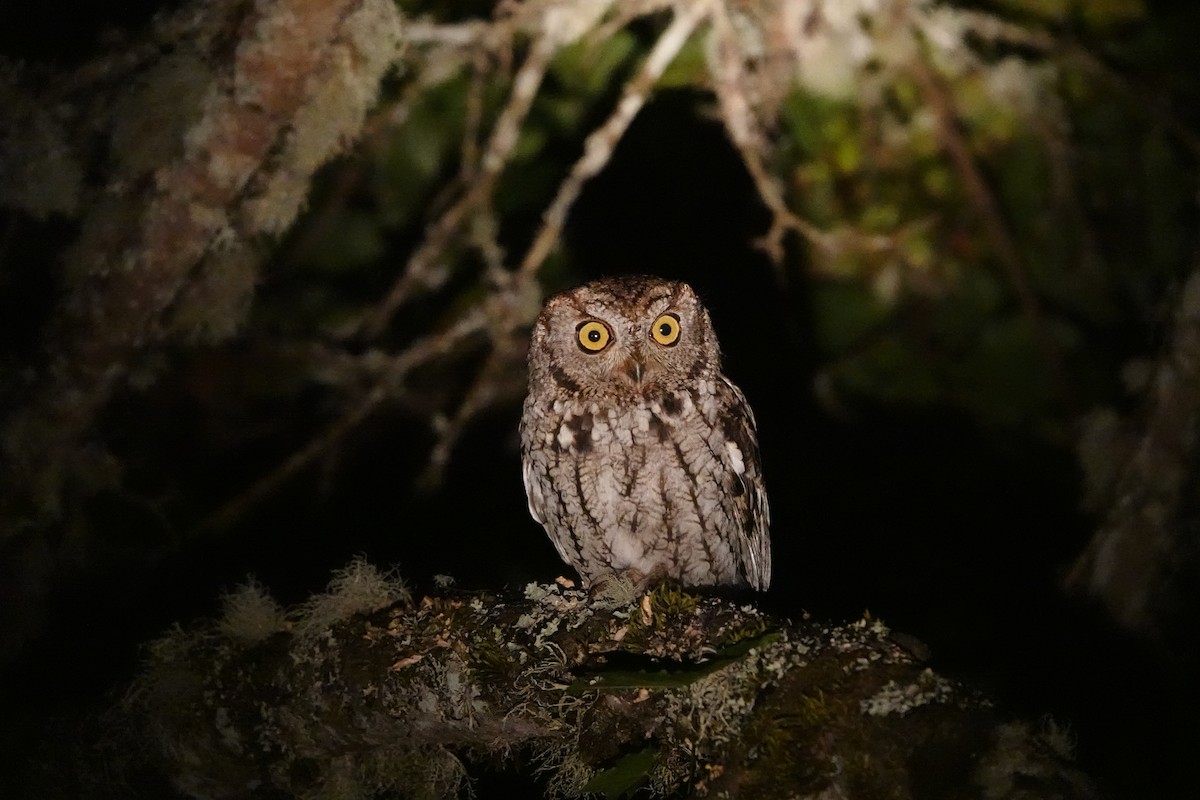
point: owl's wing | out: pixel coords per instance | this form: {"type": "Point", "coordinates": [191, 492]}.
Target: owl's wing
{"type": "Point", "coordinates": [542, 503]}
{"type": "Point", "coordinates": [533, 490]}
{"type": "Point", "coordinates": [754, 534]}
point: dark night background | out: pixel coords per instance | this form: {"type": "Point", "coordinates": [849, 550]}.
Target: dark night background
{"type": "Point", "coordinates": [941, 527]}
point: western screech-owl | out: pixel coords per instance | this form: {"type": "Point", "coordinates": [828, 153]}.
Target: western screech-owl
{"type": "Point", "coordinates": [640, 457]}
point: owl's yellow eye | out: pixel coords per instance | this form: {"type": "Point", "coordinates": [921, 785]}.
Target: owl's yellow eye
{"type": "Point", "coordinates": [665, 330]}
{"type": "Point", "coordinates": [593, 335]}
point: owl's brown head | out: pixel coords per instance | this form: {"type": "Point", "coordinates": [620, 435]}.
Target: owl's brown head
{"type": "Point", "coordinates": [626, 338]}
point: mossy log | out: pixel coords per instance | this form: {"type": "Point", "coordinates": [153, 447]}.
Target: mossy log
{"type": "Point", "coordinates": [363, 690]}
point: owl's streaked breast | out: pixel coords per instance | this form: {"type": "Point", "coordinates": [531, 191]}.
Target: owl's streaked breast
{"type": "Point", "coordinates": [655, 487]}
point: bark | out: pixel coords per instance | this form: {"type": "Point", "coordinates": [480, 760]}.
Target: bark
{"type": "Point", "coordinates": [362, 690]}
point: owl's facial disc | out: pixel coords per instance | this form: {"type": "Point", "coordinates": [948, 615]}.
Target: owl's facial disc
{"type": "Point", "coordinates": [636, 346]}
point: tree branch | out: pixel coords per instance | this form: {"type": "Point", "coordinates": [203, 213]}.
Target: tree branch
{"type": "Point", "coordinates": [362, 690]}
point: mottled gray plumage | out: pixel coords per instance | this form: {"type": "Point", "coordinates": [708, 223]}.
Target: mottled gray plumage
{"type": "Point", "coordinates": [639, 456]}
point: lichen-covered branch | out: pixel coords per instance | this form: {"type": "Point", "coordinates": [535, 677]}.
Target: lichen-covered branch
{"type": "Point", "coordinates": [1141, 477]}
{"type": "Point", "coordinates": [365, 689]}
{"type": "Point", "coordinates": [206, 153]}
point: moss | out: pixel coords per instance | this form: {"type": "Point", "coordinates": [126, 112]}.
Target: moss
{"type": "Point", "coordinates": [669, 603]}
{"type": "Point", "coordinates": [665, 605]}
{"type": "Point", "coordinates": [669, 622]}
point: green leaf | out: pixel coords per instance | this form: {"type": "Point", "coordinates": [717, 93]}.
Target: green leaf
{"type": "Point", "coordinates": [812, 120]}
{"type": "Point", "coordinates": [627, 774]}
{"type": "Point", "coordinates": [676, 677]}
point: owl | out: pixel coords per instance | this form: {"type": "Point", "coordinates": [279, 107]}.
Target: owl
{"type": "Point", "coordinates": [640, 457]}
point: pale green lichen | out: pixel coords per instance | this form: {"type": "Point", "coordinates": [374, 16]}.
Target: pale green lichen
{"type": "Point", "coordinates": [568, 772]}
{"type": "Point", "coordinates": [556, 606]}
{"type": "Point", "coordinates": [617, 591]}
{"type": "Point", "coordinates": [536, 591]}
{"type": "Point", "coordinates": [710, 714]}
{"type": "Point", "coordinates": [902, 698]}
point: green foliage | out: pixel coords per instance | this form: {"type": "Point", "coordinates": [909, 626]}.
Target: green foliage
{"type": "Point", "coordinates": [1087, 199]}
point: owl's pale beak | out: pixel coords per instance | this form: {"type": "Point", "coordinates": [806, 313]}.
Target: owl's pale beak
{"type": "Point", "coordinates": [633, 370]}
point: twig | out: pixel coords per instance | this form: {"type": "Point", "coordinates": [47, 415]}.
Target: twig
{"type": "Point", "coordinates": [990, 27]}
{"type": "Point", "coordinates": [479, 397]}
{"type": "Point", "coordinates": [599, 145]}
{"type": "Point", "coordinates": [727, 65]}
{"type": "Point", "coordinates": [420, 269]}
{"type": "Point", "coordinates": [473, 117]}
{"type": "Point", "coordinates": [458, 36]}
{"type": "Point", "coordinates": [510, 308]}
